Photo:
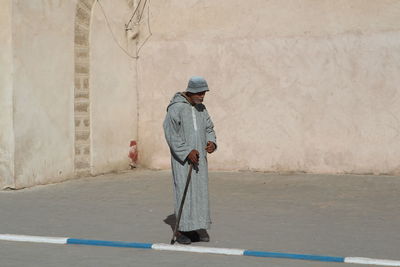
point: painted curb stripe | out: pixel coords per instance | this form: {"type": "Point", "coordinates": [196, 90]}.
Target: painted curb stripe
{"type": "Point", "coordinates": [225, 251]}
{"type": "Point", "coordinates": [35, 239]}
{"type": "Point", "coordinates": [292, 256]}
{"type": "Point", "coordinates": [108, 243]}
{"type": "Point", "coordinates": [359, 260]}
{"type": "Point", "coordinates": [183, 248]}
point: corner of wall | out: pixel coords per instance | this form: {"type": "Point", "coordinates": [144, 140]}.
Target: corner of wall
{"type": "Point", "coordinates": [7, 143]}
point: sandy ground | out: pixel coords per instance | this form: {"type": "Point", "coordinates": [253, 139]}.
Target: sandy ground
{"type": "Point", "coordinates": [331, 215]}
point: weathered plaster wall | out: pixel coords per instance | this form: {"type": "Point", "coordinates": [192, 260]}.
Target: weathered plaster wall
{"type": "Point", "coordinates": [43, 35]}
{"type": "Point", "coordinates": [61, 114]}
{"type": "Point", "coordinates": [295, 85]}
{"type": "Point", "coordinates": [113, 87]}
{"type": "Point", "coordinates": [6, 97]}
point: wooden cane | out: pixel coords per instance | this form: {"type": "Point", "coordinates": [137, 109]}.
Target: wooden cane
{"type": "Point", "coordinates": [182, 202]}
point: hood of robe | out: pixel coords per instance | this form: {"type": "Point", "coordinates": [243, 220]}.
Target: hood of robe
{"type": "Point", "coordinates": [178, 98]}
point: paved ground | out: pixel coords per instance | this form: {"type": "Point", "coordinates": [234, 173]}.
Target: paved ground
{"type": "Point", "coordinates": [308, 214]}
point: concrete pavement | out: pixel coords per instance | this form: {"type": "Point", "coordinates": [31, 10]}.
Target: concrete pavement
{"type": "Point", "coordinates": [332, 215]}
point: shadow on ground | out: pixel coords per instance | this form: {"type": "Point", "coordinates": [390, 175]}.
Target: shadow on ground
{"type": "Point", "coordinates": [171, 221]}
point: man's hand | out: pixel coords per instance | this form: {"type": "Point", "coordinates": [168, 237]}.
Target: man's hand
{"type": "Point", "coordinates": [210, 148]}
{"type": "Point", "coordinates": [194, 156]}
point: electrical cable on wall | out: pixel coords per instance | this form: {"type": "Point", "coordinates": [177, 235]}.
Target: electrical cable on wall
{"type": "Point", "coordinates": [141, 13]}
{"type": "Point", "coordinates": [127, 26]}
{"type": "Point", "coordinates": [139, 22]}
{"type": "Point", "coordinates": [112, 33]}
{"type": "Point", "coordinates": [134, 12]}
{"type": "Point", "coordinates": [148, 26]}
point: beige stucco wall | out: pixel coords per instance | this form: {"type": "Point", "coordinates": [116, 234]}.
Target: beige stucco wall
{"type": "Point", "coordinates": [295, 85]}
{"type": "Point", "coordinates": [38, 64]}
{"type": "Point", "coordinates": [6, 98]}
{"type": "Point", "coordinates": [43, 37]}
{"type": "Point", "coordinates": [112, 87]}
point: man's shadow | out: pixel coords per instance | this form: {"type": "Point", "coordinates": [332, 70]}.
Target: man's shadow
{"type": "Point", "coordinates": [171, 221]}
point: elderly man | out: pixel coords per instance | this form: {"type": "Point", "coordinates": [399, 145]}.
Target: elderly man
{"type": "Point", "coordinates": [190, 134]}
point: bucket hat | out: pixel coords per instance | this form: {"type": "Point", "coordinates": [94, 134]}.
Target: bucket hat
{"type": "Point", "coordinates": [197, 84]}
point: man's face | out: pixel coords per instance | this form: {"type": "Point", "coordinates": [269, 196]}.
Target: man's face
{"type": "Point", "coordinates": [197, 98]}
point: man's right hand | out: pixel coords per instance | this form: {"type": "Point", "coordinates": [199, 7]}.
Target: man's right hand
{"type": "Point", "coordinates": [194, 156]}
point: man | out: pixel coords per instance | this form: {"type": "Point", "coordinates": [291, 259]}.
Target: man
{"type": "Point", "coordinates": [190, 135]}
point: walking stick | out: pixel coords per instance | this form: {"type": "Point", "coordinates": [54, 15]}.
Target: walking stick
{"type": "Point", "coordinates": [182, 202]}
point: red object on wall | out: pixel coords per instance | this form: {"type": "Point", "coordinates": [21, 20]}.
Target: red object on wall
{"type": "Point", "coordinates": [133, 154]}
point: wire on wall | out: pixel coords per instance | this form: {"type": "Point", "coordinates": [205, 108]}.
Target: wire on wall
{"type": "Point", "coordinates": [112, 33]}
{"type": "Point", "coordinates": [139, 47]}
{"type": "Point", "coordinates": [148, 26]}
{"type": "Point", "coordinates": [141, 13]}
{"type": "Point", "coordinates": [134, 12]}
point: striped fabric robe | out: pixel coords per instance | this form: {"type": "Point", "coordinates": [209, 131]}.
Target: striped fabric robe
{"type": "Point", "coordinates": [188, 127]}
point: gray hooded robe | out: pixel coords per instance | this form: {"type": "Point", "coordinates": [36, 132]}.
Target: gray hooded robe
{"type": "Point", "coordinates": [188, 127]}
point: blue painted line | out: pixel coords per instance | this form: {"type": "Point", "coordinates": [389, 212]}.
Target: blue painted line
{"type": "Point", "coordinates": [292, 256]}
{"type": "Point", "coordinates": [224, 251]}
{"type": "Point", "coordinates": [108, 243]}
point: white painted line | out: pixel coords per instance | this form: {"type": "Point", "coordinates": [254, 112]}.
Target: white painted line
{"type": "Point", "coordinates": [359, 260]}
{"type": "Point", "coordinates": [225, 251]}
{"type": "Point", "coordinates": [35, 239]}
{"type": "Point", "coordinates": [184, 248]}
